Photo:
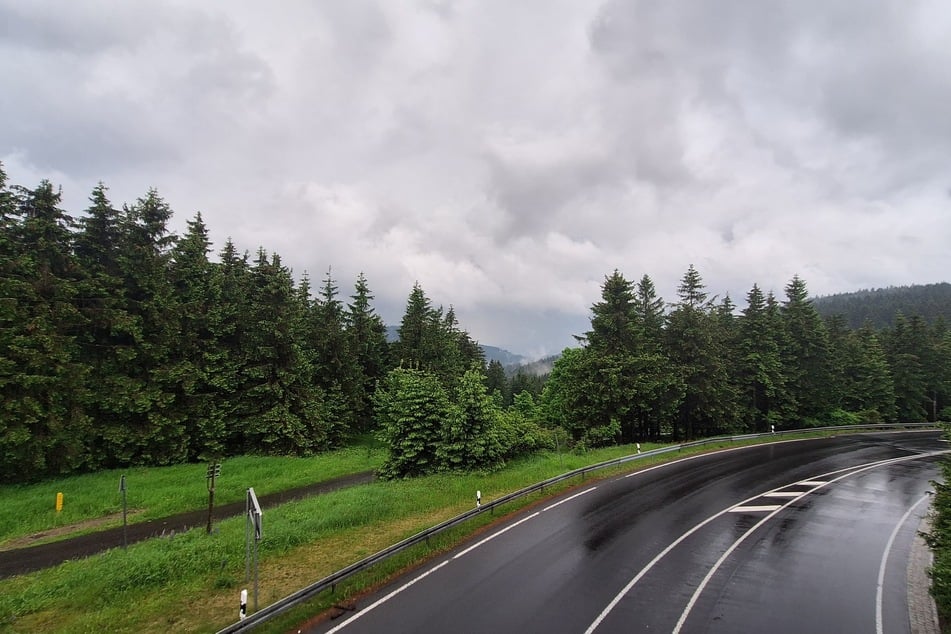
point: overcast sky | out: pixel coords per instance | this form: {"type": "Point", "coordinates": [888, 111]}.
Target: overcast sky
{"type": "Point", "coordinates": [505, 154]}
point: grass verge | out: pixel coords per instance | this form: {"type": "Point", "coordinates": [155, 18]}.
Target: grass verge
{"type": "Point", "coordinates": [93, 501]}
{"type": "Point", "coordinates": [190, 583]}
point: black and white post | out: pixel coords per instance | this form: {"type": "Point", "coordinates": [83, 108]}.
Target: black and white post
{"type": "Point", "coordinates": [243, 606]}
{"type": "Point", "coordinates": [214, 470]}
{"type": "Point", "coordinates": [478, 499]}
{"type": "Point", "coordinates": [125, 525]}
{"type": "Point", "coordinates": [253, 522]}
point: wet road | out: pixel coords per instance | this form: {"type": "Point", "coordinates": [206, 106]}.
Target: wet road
{"type": "Point", "coordinates": [806, 536]}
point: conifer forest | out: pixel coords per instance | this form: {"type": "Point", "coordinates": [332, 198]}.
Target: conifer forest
{"type": "Point", "coordinates": [124, 344]}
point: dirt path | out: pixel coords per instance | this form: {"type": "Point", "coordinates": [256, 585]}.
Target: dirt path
{"type": "Point", "coordinates": [22, 560]}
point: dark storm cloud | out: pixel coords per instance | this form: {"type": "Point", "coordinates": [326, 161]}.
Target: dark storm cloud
{"type": "Point", "coordinates": [507, 155]}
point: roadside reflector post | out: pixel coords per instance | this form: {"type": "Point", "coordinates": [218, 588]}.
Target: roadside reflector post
{"type": "Point", "coordinates": [243, 608]}
{"type": "Point", "coordinates": [125, 536]}
{"type": "Point", "coordinates": [214, 470]}
{"type": "Point", "coordinates": [638, 447]}
{"type": "Point", "coordinates": [253, 523]}
{"type": "Point", "coordinates": [59, 502]}
{"type": "Point", "coordinates": [772, 429]}
{"type": "Point", "coordinates": [478, 499]}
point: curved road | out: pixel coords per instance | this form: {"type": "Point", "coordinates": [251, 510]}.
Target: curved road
{"type": "Point", "coordinates": [805, 536]}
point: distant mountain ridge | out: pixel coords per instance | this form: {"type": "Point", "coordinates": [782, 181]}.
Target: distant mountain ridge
{"type": "Point", "coordinates": [492, 353]}
{"type": "Point", "coordinates": [879, 306]}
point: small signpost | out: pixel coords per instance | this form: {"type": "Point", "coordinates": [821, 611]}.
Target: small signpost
{"type": "Point", "coordinates": [125, 536]}
{"type": "Point", "coordinates": [214, 470]}
{"type": "Point", "coordinates": [252, 523]}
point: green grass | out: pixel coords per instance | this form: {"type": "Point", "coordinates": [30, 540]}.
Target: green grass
{"type": "Point", "coordinates": [93, 501]}
{"type": "Point", "coordinates": [191, 583]}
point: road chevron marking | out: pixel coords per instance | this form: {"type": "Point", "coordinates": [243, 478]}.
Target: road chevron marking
{"type": "Point", "coordinates": [767, 508]}
{"type": "Point", "coordinates": [847, 471]}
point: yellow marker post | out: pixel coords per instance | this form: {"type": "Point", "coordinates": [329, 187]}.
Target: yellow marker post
{"type": "Point", "coordinates": [59, 502]}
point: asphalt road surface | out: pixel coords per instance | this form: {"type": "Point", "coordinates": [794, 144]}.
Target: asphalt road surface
{"type": "Point", "coordinates": [805, 536]}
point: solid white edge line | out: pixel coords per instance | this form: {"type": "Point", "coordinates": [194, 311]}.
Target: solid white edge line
{"type": "Point", "coordinates": [819, 484]}
{"type": "Point", "coordinates": [568, 499]}
{"type": "Point", "coordinates": [383, 600]}
{"type": "Point", "coordinates": [736, 544]}
{"type": "Point", "coordinates": [879, 590]}
{"type": "Point", "coordinates": [496, 534]}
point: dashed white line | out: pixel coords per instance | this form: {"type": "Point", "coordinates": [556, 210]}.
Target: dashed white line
{"type": "Point", "coordinates": [783, 494]}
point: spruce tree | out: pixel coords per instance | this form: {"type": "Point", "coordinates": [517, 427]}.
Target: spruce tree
{"type": "Point", "coordinates": [366, 335]}
{"type": "Point", "coordinates": [759, 366]}
{"type": "Point", "coordinates": [806, 357]}
{"type": "Point", "coordinates": [42, 377]}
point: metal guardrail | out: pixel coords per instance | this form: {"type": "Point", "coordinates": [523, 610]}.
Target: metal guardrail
{"type": "Point", "coordinates": [329, 582]}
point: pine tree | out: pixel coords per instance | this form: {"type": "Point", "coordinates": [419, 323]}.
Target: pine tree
{"type": "Point", "coordinates": [806, 357]}
{"type": "Point", "coordinates": [229, 321]}
{"type": "Point", "coordinates": [284, 411]}
{"type": "Point", "coordinates": [335, 367]}
{"type": "Point", "coordinates": [696, 347]}
{"type": "Point", "coordinates": [649, 315]}
{"type": "Point", "coordinates": [872, 387]}
{"type": "Point", "coordinates": [144, 426]}
{"type": "Point", "coordinates": [366, 334]}
{"type": "Point", "coordinates": [614, 323]}
{"type": "Point", "coordinates": [42, 377]}
{"type": "Point", "coordinates": [759, 366]}
{"type": "Point", "coordinates": [109, 342]}
{"type": "Point", "coordinates": [193, 359]}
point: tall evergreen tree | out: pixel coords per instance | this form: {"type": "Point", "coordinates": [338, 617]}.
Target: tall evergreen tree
{"type": "Point", "coordinates": [335, 368]}
{"type": "Point", "coordinates": [194, 358]}
{"type": "Point", "coordinates": [696, 350]}
{"type": "Point", "coordinates": [366, 334]}
{"type": "Point", "coordinates": [806, 357]}
{"type": "Point", "coordinates": [45, 426]}
{"type": "Point", "coordinates": [649, 315]}
{"type": "Point", "coordinates": [871, 387]}
{"type": "Point", "coordinates": [759, 369]}
{"type": "Point", "coordinates": [229, 321]}
{"type": "Point", "coordinates": [614, 323]}
{"type": "Point", "coordinates": [284, 411]}
{"type": "Point", "coordinates": [144, 425]}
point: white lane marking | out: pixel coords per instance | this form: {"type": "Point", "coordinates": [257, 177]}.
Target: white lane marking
{"type": "Point", "coordinates": [820, 483]}
{"type": "Point", "coordinates": [568, 499]}
{"type": "Point", "coordinates": [813, 483]}
{"type": "Point", "coordinates": [755, 509]}
{"type": "Point", "coordinates": [783, 494]}
{"type": "Point", "coordinates": [496, 534]}
{"type": "Point", "coordinates": [881, 569]}
{"type": "Point", "coordinates": [742, 538]}
{"type": "Point", "coordinates": [454, 557]}
{"type": "Point", "coordinates": [383, 600]}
